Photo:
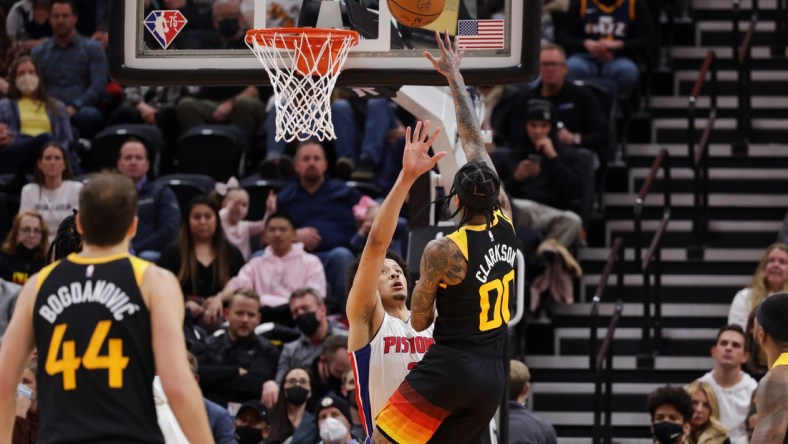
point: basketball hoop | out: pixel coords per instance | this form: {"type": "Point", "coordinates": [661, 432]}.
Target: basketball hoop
{"type": "Point", "coordinates": [302, 65]}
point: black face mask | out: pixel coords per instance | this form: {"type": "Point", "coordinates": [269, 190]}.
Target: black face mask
{"type": "Point", "coordinates": [307, 323]}
{"type": "Point", "coordinates": [296, 395]}
{"type": "Point", "coordinates": [228, 27]}
{"type": "Point", "coordinates": [248, 435]}
{"type": "Point", "coordinates": [667, 432]}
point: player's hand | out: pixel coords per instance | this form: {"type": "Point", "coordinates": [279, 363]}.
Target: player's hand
{"type": "Point", "coordinates": [270, 393]}
{"type": "Point", "coordinates": [213, 310]}
{"type": "Point", "coordinates": [416, 159]}
{"type": "Point", "coordinates": [451, 55]}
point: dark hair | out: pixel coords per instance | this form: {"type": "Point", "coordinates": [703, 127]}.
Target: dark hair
{"type": "Point", "coordinates": [478, 187]}
{"type": "Point", "coordinates": [333, 343]}
{"type": "Point", "coordinates": [67, 240]}
{"type": "Point", "coordinates": [187, 274]}
{"type": "Point", "coordinates": [310, 141]}
{"type": "Point", "coordinates": [281, 427]}
{"type": "Point", "coordinates": [68, 173]}
{"type": "Point", "coordinates": [734, 328]}
{"type": "Point", "coordinates": [10, 245]}
{"type": "Point", "coordinates": [107, 206]}
{"type": "Point", "coordinates": [280, 215]}
{"type": "Point", "coordinates": [299, 293]}
{"type": "Point", "coordinates": [675, 396]}
{"type": "Point", "coordinates": [771, 315]}
{"type": "Point", "coordinates": [40, 94]}
{"type": "Point", "coordinates": [353, 269]}
{"type": "Point", "coordinates": [65, 2]}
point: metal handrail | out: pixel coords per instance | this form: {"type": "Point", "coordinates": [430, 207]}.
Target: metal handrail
{"type": "Point", "coordinates": [742, 59]}
{"type": "Point", "coordinates": [651, 263]}
{"type": "Point", "coordinates": [699, 159]}
{"type": "Point", "coordinates": [602, 402]}
{"type": "Point", "coordinates": [603, 374]}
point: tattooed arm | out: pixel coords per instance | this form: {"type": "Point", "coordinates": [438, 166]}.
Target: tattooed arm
{"type": "Point", "coordinates": [467, 123]}
{"type": "Point", "coordinates": [772, 402]}
{"type": "Point", "coordinates": [442, 262]}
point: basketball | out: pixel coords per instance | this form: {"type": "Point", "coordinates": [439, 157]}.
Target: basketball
{"type": "Point", "coordinates": [416, 13]}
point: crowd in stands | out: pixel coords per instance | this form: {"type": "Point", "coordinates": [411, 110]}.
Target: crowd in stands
{"type": "Point", "coordinates": [265, 298]}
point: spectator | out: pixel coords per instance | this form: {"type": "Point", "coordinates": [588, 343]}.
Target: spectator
{"type": "Point", "coordinates": [604, 39]}
{"type": "Point", "coordinates": [283, 268]}
{"type": "Point", "coordinates": [28, 23]}
{"type": "Point", "coordinates": [251, 423]}
{"type": "Point", "coordinates": [333, 420]}
{"type": "Point", "coordinates": [25, 247]}
{"type": "Point", "coordinates": [10, 49]}
{"type": "Point", "coordinates": [770, 277]}
{"type": "Point", "coordinates": [583, 129]}
{"type": "Point", "coordinates": [310, 317]}
{"type": "Point", "coordinates": [202, 259]}
{"type": "Point", "coordinates": [322, 209]}
{"type": "Point", "coordinates": [74, 68]}
{"type": "Point", "coordinates": [771, 398]}
{"type": "Point", "coordinates": [499, 101]}
{"type": "Point", "coordinates": [53, 193]}
{"type": "Point", "coordinates": [8, 295]}
{"type": "Point", "coordinates": [671, 411]}
{"type": "Point", "coordinates": [237, 363]}
{"type": "Point", "coordinates": [239, 106]}
{"type": "Point", "coordinates": [29, 118]}
{"type": "Point", "coordinates": [328, 368]}
{"type": "Point", "coordinates": [524, 426]}
{"type": "Point", "coordinates": [222, 427]}
{"type": "Point", "coordinates": [705, 425]}
{"type": "Point", "coordinates": [235, 207]}
{"type": "Point", "coordinates": [290, 418]}
{"type": "Point", "coordinates": [155, 106]}
{"type": "Point", "coordinates": [542, 186]}
{"type": "Point", "coordinates": [158, 213]}
{"type": "Point", "coordinates": [733, 388]}
{"type": "Point", "coordinates": [348, 392]}
{"type": "Point", "coordinates": [365, 213]}
{"type": "Point", "coordinates": [26, 419]}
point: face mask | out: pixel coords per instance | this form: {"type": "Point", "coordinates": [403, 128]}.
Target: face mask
{"type": "Point", "coordinates": [228, 27]}
{"type": "Point", "coordinates": [27, 83]}
{"type": "Point", "coordinates": [296, 395]}
{"type": "Point", "coordinates": [667, 432]}
{"type": "Point", "coordinates": [307, 323]}
{"type": "Point", "coordinates": [248, 435]}
{"type": "Point", "coordinates": [332, 431]}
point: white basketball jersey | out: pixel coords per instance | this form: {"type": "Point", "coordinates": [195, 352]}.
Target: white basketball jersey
{"type": "Point", "coordinates": [380, 366]}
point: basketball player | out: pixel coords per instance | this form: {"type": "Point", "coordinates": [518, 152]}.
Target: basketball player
{"type": "Point", "coordinates": [771, 398]}
{"type": "Point", "coordinates": [452, 394]}
{"type": "Point", "coordinates": [104, 322]}
{"type": "Point", "coordinates": [383, 344]}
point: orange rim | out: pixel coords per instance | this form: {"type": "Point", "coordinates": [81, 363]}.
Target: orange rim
{"type": "Point", "coordinates": [286, 38]}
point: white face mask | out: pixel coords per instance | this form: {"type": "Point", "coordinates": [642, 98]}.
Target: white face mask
{"type": "Point", "coordinates": [333, 431]}
{"type": "Point", "coordinates": [27, 83]}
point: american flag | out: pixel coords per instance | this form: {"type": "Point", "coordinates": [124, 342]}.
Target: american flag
{"type": "Point", "coordinates": [480, 34]}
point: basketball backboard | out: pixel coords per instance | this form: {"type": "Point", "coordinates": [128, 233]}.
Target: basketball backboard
{"type": "Point", "coordinates": [161, 42]}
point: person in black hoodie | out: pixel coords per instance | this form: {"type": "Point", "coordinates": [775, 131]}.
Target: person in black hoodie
{"type": "Point", "coordinates": [543, 187]}
{"type": "Point", "coordinates": [24, 249]}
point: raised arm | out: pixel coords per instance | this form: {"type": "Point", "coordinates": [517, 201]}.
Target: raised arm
{"type": "Point", "coordinates": [467, 123]}
{"type": "Point", "coordinates": [364, 308]}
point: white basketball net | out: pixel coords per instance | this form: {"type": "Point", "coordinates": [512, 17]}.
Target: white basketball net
{"type": "Point", "coordinates": [302, 88]}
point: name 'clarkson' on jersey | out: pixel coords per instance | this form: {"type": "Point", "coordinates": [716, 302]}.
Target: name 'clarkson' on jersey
{"type": "Point", "coordinates": [498, 253]}
{"type": "Point", "coordinates": [102, 292]}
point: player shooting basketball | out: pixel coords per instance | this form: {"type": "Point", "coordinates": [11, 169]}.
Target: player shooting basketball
{"type": "Point", "coordinates": [383, 343]}
{"type": "Point", "coordinates": [452, 394]}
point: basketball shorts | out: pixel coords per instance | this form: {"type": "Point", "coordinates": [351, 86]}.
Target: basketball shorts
{"type": "Point", "coordinates": [449, 397]}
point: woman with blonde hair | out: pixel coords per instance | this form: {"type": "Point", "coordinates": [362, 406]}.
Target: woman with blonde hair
{"type": "Point", "coordinates": [705, 425]}
{"type": "Point", "coordinates": [24, 250]}
{"type": "Point", "coordinates": [770, 277]}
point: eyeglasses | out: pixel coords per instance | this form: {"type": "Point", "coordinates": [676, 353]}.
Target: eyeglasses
{"type": "Point", "coordinates": [30, 230]}
{"type": "Point", "coordinates": [294, 381]}
{"type": "Point", "coordinates": [551, 64]}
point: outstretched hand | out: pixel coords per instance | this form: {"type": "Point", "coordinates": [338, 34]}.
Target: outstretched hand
{"type": "Point", "coordinates": [416, 159]}
{"type": "Point", "coordinates": [451, 55]}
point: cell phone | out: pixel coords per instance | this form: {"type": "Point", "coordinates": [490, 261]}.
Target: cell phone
{"type": "Point", "coordinates": [23, 390]}
{"type": "Point", "coordinates": [535, 158]}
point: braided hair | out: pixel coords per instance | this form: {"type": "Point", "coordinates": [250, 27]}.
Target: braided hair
{"type": "Point", "coordinates": [67, 239]}
{"type": "Point", "coordinates": [477, 186]}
